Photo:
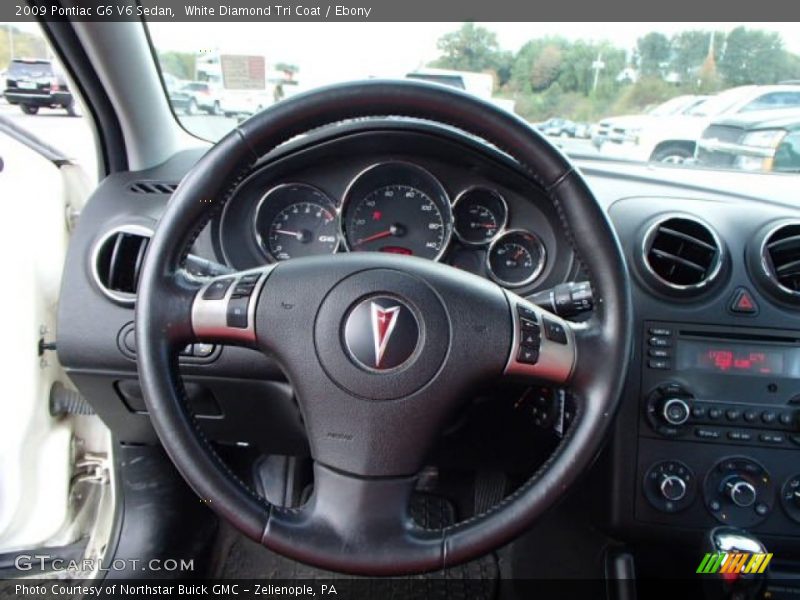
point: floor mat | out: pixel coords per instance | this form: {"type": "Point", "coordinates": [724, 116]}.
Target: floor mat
{"type": "Point", "coordinates": [476, 580]}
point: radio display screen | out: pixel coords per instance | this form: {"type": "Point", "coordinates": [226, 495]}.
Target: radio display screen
{"type": "Point", "coordinates": [737, 358]}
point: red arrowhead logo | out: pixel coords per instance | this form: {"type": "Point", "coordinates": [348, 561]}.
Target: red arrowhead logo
{"type": "Point", "coordinates": [383, 324]}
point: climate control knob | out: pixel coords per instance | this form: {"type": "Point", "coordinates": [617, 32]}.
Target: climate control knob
{"type": "Point", "coordinates": [673, 488]}
{"type": "Point", "coordinates": [742, 493]}
{"type": "Point", "coordinates": [675, 411]}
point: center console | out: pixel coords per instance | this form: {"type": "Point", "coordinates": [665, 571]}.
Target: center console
{"type": "Point", "coordinates": [719, 428]}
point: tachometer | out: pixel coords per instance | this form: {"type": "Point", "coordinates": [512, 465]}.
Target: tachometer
{"type": "Point", "coordinates": [516, 258]}
{"type": "Point", "coordinates": [294, 220]}
{"type": "Point", "coordinates": [398, 208]}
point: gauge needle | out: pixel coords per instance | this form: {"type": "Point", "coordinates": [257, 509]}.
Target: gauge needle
{"type": "Point", "coordinates": [296, 234]}
{"type": "Point", "coordinates": [376, 236]}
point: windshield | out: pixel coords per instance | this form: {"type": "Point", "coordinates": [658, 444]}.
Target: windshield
{"type": "Point", "coordinates": [682, 76]}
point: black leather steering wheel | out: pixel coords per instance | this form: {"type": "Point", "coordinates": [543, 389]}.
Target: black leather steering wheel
{"type": "Point", "coordinates": [370, 423]}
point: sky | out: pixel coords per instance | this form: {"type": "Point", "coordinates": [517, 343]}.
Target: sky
{"type": "Point", "coordinates": [337, 51]}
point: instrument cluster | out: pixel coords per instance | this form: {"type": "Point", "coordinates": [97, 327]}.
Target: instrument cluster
{"type": "Point", "coordinates": [401, 208]}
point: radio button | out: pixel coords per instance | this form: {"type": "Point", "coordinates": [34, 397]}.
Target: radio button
{"type": "Point", "coordinates": [676, 411]}
{"type": "Point", "coordinates": [785, 418]}
{"type": "Point", "coordinates": [714, 413]}
{"type": "Point", "coordinates": [660, 342]}
{"type": "Point", "coordinates": [658, 353]}
{"type": "Point", "coordinates": [768, 416]}
{"type": "Point", "coordinates": [707, 434]}
{"type": "Point", "coordinates": [660, 331]}
{"type": "Point", "coordinates": [732, 414]}
{"type": "Point", "coordinates": [750, 416]}
{"type": "Point", "coordinates": [658, 364]}
{"type": "Point", "coordinates": [771, 438]}
{"type": "Point", "coordinates": [740, 436]}
{"type": "Point", "coordinates": [698, 412]}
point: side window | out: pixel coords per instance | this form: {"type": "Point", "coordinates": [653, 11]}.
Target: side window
{"type": "Point", "coordinates": [38, 97]}
{"type": "Point", "coordinates": [773, 100]}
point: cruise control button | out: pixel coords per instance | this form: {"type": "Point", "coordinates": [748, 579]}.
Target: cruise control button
{"type": "Point", "coordinates": [530, 339]}
{"type": "Point", "coordinates": [237, 312]}
{"type": "Point", "coordinates": [554, 332]}
{"type": "Point", "coordinates": [529, 356]}
{"type": "Point", "coordinates": [217, 289]}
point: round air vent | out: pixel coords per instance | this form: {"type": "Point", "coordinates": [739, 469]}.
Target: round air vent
{"type": "Point", "coordinates": [117, 261]}
{"type": "Point", "coordinates": [780, 259]}
{"type": "Point", "coordinates": [682, 254]}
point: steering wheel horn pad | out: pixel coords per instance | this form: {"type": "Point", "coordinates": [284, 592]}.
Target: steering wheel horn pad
{"type": "Point", "coordinates": [370, 424]}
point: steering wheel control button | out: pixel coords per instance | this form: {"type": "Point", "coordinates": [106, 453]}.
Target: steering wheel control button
{"type": "Point", "coordinates": [743, 303]}
{"type": "Point", "coordinates": [381, 333]}
{"type": "Point", "coordinates": [216, 290]}
{"type": "Point", "coordinates": [528, 356]}
{"type": "Point", "coordinates": [739, 491]}
{"type": "Point", "coordinates": [669, 486]}
{"type": "Point", "coordinates": [237, 312]}
{"type": "Point", "coordinates": [554, 331]}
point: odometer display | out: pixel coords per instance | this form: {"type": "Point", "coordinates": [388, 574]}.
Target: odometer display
{"type": "Point", "coordinates": [397, 208]}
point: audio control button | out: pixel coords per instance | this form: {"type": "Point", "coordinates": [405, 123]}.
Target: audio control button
{"type": "Point", "coordinates": [707, 434]}
{"type": "Point", "coordinates": [768, 416]}
{"type": "Point", "coordinates": [714, 413]}
{"type": "Point", "coordinates": [676, 411]}
{"type": "Point", "coordinates": [750, 416]}
{"type": "Point", "coordinates": [732, 414]}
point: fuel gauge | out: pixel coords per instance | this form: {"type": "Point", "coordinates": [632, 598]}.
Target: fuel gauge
{"type": "Point", "coordinates": [516, 258]}
{"type": "Point", "coordinates": [480, 214]}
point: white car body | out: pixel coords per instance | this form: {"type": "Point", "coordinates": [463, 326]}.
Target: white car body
{"type": "Point", "coordinates": [674, 138]}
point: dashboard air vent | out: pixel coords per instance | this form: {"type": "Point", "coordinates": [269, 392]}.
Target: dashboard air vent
{"type": "Point", "coordinates": [781, 257]}
{"type": "Point", "coordinates": [682, 253]}
{"type": "Point", "coordinates": [118, 259]}
{"type": "Point", "coordinates": [153, 187]}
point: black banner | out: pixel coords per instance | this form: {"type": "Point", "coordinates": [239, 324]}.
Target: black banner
{"type": "Point", "coordinates": [392, 10]}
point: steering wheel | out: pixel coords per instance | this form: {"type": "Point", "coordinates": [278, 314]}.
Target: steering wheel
{"type": "Point", "coordinates": [381, 350]}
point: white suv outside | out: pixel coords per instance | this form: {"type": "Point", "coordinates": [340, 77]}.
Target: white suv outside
{"type": "Point", "coordinates": [673, 138]}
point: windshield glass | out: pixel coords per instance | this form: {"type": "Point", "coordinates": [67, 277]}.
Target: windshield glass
{"type": "Point", "coordinates": [631, 91]}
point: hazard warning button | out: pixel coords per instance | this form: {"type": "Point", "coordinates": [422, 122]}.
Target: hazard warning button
{"type": "Point", "coordinates": [743, 302]}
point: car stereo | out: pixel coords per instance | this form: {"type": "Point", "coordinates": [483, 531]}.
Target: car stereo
{"type": "Point", "coordinates": [717, 384]}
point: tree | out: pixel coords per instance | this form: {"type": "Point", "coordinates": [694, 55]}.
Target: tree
{"type": "Point", "coordinates": [290, 69]}
{"type": "Point", "coordinates": [690, 51]}
{"type": "Point", "coordinates": [546, 67]}
{"type": "Point", "coordinates": [179, 64]}
{"type": "Point", "coordinates": [471, 48]}
{"type": "Point", "coordinates": [753, 56]}
{"type": "Point", "coordinates": [654, 52]}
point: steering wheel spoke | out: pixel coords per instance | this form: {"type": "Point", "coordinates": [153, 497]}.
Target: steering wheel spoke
{"type": "Point", "coordinates": [223, 310]}
{"type": "Point", "coordinates": [544, 346]}
{"type": "Point", "coordinates": [355, 519]}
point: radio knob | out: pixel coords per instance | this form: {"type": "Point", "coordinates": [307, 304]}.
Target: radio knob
{"type": "Point", "coordinates": [741, 492]}
{"type": "Point", "coordinates": [673, 488]}
{"type": "Point", "coordinates": [675, 411]}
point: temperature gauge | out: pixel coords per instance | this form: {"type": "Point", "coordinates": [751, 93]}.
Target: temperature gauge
{"type": "Point", "coordinates": [480, 214]}
{"type": "Point", "coordinates": [516, 258]}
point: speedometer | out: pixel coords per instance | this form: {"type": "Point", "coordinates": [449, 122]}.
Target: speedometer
{"type": "Point", "coordinates": [397, 208]}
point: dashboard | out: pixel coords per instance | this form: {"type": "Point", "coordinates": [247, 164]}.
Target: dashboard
{"type": "Point", "coordinates": [709, 427]}
{"type": "Point", "coordinates": [478, 217]}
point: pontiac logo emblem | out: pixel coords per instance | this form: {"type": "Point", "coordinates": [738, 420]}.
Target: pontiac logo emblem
{"type": "Point", "coordinates": [381, 333]}
{"type": "Point", "coordinates": [383, 322]}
